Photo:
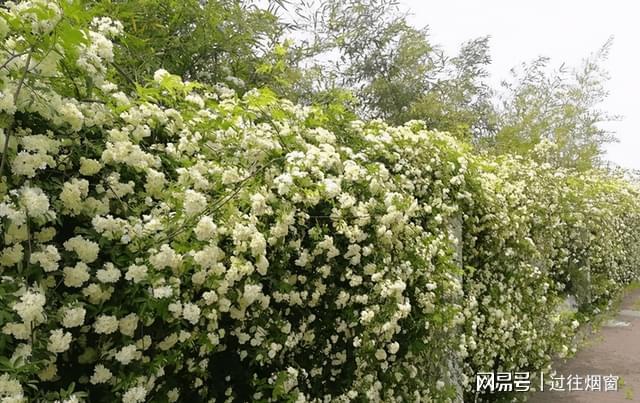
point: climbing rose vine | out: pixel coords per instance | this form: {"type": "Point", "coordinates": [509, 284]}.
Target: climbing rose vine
{"type": "Point", "coordinates": [178, 242]}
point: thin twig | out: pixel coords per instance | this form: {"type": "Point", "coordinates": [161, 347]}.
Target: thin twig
{"type": "Point", "coordinates": [275, 127]}
{"type": "Point", "coordinates": [24, 76]}
{"type": "Point", "coordinates": [124, 74]}
{"type": "Point", "coordinates": [73, 81]}
{"type": "Point", "coordinates": [123, 204]}
{"type": "Point", "coordinates": [4, 65]}
{"type": "Point", "coordinates": [5, 148]}
{"type": "Point", "coordinates": [93, 101]}
{"type": "Point", "coordinates": [29, 251]}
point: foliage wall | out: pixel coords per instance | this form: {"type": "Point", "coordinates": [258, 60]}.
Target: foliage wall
{"type": "Point", "coordinates": [181, 243]}
{"type": "Point", "coordinates": [534, 235]}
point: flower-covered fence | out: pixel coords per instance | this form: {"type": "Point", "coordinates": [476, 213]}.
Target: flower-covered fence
{"type": "Point", "coordinates": [182, 243]}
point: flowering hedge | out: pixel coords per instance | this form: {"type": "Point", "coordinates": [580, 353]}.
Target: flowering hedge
{"type": "Point", "coordinates": [182, 243]}
{"type": "Point", "coordinates": [532, 236]}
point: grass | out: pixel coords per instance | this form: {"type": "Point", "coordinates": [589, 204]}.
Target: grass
{"type": "Point", "coordinates": [628, 394]}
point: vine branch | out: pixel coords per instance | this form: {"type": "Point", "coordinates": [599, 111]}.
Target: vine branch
{"type": "Point", "coordinates": [7, 136]}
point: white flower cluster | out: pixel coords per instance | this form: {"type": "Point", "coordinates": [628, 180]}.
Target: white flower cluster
{"type": "Point", "coordinates": [107, 27]}
{"type": "Point", "coordinates": [11, 390]}
{"type": "Point", "coordinates": [37, 154]}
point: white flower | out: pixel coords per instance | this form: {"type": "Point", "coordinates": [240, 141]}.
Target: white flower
{"type": "Point", "coordinates": [22, 351]}
{"type": "Point", "coordinates": [7, 103]}
{"type": "Point", "coordinates": [251, 293]}
{"type": "Point", "coordinates": [110, 274]}
{"type": "Point", "coordinates": [209, 297]}
{"type": "Point", "coordinates": [173, 395]}
{"type": "Point", "coordinates": [107, 27]}
{"type": "Point", "coordinates": [73, 317]}
{"type": "Point", "coordinates": [59, 341]}
{"type": "Point", "coordinates": [168, 342]}
{"type": "Point", "coordinates": [331, 188]}
{"type": "Point", "coordinates": [199, 277]}
{"type": "Point", "coordinates": [160, 74]}
{"type": "Point", "coordinates": [45, 235]}
{"type": "Point", "coordinates": [194, 202]}
{"type": "Point", "coordinates": [20, 331]}
{"type": "Point", "coordinates": [167, 257]}
{"type": "Point", "coordinates": [191, 313]}
{"type": "Point", "coordinates": [195, 99]}
{"type": "Point", "coordinates": [284, 182]}
{"type": "Point", "coordinates": [393, 347]}
{"type": "Point", "coordinates": [48, 258]}
{"type": "Point", "coordinates": [49, 372]}
{"type": "Point", "coordinates": [35, 201]}
{"type": "Point", "coordinates": [11, 389]}
{"type": "Point", "coordinates": [121, 98]}
{"type": "Point", "coordinates": [26, 164]}
{"type": "Point", "coordinates": [97, 294]}
{"type": "Point", "coordinates": [258, 204]}
{"type": "Point", "coordinates": [262, 264]}
{"type": "Point", "coordinates": [137, 394]}
{"type": "Point", "coordinates": [71, 115]}
{"type": "Point", "coordinates": [381, 354]}
{"type": "Point", "coordinates": [17, 217]}
{"type": "Point", "coordinates": [31, 307]}
{"type": "Point", "coordinates": [108, 87]}
{"type": "Point", "coordinates": [162, 292]}
{"type": "Point", "coordinates": [71, 399]}
{"type": "Point", "coordinates": [366, 316]}
{"type": "Point", "coordinates": [86, 250]}
{"type": "Point", "coordinates": [208, 256]}
{"type": "Point", "coordinates": [11, 255]}
{"type": "Point", "coordinates": [73, 195]}
{"type": "Point", "coordinates": [128, 354]}
{"type": "Point", "coordinates": [205, 229]}
{"type": "Point", "coordinates": [128, 324]}
{"type": "Point", "coordinates": [76, 276]}
{"type": "Point", "coordinates": [40, 143]}
{"type": "Point", "coordinates": [106, 324]}
{"type": "Point", "coordinates": [136, 273]}
{"type": "Point", "coordinates": [100, 375]}
{"type": "Point", "coordinates": [155, 182]}
{"type": "Point", "coordinates": [176, 309]}
{"type": "Point", "coordinates": [89, 167]}
{"type": "Point", "coordinates": [303, 259]}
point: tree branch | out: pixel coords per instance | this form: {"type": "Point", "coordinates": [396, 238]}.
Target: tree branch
{"type": "Point", "coordinates": [124, 74]}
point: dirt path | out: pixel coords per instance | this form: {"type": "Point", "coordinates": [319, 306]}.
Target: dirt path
{"type": "Point", "coordinates": [614, 350]}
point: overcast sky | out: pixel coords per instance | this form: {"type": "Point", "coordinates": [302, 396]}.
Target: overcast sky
{"type": "Point", "coordinates": [565, 30]}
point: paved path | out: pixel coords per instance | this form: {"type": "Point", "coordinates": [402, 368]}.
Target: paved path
{"type": "Point", "coordinates": [614, 350]}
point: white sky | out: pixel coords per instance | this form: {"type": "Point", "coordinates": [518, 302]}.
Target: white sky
{"type": "Point", "coordinates": [565, 30]}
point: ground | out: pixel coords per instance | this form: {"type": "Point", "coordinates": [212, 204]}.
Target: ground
{"type": "Point", "coordinates": [613, 350]}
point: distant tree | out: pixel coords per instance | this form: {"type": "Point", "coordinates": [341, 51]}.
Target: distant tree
{"type": "Point", "coordinates": [362, 58]}
{"type": "Point", "coordinates": [396, 73]}
{"type": "Point", "coordinates": [459, 100]}
{"type": "Point", "coordinates": [561, 106]}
